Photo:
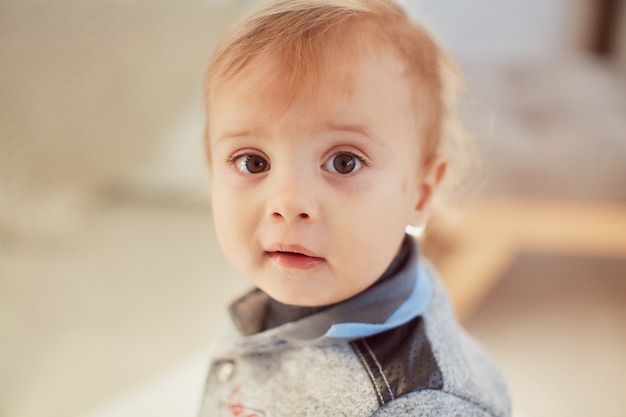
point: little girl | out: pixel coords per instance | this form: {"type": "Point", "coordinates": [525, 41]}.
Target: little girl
{"type": "Point", "coordinates": [324, 134]}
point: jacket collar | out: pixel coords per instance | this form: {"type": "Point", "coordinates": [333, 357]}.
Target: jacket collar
{"type": "Point", "coordinates": [383, 306]}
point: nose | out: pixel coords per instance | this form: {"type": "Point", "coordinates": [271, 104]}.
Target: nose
{"type": "Point", "coordinates": [292, 200]}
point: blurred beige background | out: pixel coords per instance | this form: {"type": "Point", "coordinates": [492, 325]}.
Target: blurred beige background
{"type": "Point", "coordinates": [113, 288]}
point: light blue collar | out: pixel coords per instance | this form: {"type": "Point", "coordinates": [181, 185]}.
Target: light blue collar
{"type": "Point", "coordinates": [408, 310]}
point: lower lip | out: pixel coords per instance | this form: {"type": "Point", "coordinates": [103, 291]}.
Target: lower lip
{"type": "Point", "coordinates": [290, 260]}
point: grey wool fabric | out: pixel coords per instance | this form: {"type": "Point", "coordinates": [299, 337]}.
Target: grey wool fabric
{"type": "Point", "coordinates": [428, 366]}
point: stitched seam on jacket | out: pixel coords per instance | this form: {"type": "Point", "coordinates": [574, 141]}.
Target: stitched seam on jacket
{"type": "Point", "coordinates": [369, 371]}
{"type": "Point", "coordinates": [380, 368]}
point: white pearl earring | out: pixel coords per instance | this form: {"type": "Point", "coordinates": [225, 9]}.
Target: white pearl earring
{"type": "Point", "coordinates": [415, 231]}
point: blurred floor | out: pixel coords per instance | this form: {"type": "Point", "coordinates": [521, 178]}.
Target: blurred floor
{"type": "Point", "coordinates": [557, 325]}
{"type": "Point", "coordinates": [139, 288]}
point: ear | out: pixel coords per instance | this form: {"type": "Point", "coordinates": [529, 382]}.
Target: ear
{"type": "Point", "coordinates": [434, 173]}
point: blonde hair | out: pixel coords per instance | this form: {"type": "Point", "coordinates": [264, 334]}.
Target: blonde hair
{"type": "Point", "coordinates": [309, 39]}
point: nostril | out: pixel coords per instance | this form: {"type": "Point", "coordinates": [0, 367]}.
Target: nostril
{"type": "Point", "coordinates": [279, 215]}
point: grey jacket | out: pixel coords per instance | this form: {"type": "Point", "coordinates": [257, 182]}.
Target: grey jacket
{"type": "Point", "coordinates": [393, 350]}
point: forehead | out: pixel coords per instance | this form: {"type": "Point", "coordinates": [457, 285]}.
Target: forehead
{"type": "Point", "coordinates": [353, 90]}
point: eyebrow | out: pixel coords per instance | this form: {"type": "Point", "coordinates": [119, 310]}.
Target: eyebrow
{"type": "Point", "coordinates": [244, 133]}
{"type": "Point", "coordinates": [337, 127]}
{"type": "Point", "coordinates": [354, 128]}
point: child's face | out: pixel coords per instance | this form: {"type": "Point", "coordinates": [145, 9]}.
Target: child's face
{"type": "Point", "coordinates": [310, 204]}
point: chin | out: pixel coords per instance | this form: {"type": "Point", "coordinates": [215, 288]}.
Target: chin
{"type": "Point", "coordinates": [301, 300]}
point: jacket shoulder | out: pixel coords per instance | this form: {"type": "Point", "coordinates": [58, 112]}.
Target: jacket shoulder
{"type": "Point", "coordinates": [399, 361]}
{"type": "Point", "coordinates": [430, 403]}
{"type": "Point", "coordinates": [432, 358]}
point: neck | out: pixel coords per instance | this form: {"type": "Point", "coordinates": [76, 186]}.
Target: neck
{"type": "Point", "coordinates": [277, 313]}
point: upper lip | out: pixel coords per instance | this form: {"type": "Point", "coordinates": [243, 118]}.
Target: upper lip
{"type": "Point", "coordinates": [287, 248]}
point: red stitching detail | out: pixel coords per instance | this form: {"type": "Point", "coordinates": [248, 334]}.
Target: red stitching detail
{"type": "Point", "coordinates": [236, 407]}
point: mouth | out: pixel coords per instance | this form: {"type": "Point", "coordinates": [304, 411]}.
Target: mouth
{"type": "Point", "coordinates": [293, 256]}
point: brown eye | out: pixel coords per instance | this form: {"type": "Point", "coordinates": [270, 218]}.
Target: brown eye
{"type": "Point", "coordinates": [252, 164]}
{"type": "Point", "coordinates": [343, 163]}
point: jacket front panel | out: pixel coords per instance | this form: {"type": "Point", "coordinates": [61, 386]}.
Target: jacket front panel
{"type": "Point", "coordinates": [412, 359]}
{"type": "Point", "coordinates": [306, 381]}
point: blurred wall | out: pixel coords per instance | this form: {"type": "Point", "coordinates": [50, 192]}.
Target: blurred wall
{"type": "Point", "coordinates": [550, 115]}
{"type": "Point", "coordinates": [512, 32]}
{"type": "Point", "coordinates": [91, 95]}
{"type": "Point", "coordinates": [621, 40]}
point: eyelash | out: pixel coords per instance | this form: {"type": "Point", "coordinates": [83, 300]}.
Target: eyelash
{"type": "Point", "coordinates": [360, 158]}
{"type": "Point", "coordinates": [361, 162]}
{"type": "Point", "coordinates": [233, 160]}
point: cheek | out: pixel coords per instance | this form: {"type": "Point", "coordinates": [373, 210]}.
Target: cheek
{"type": "Point", "coordinates": [219, 208]}
{"type": "Point", "coordinates": [228, 214]}
{"type": "Point", "coordinates": [377, 216]}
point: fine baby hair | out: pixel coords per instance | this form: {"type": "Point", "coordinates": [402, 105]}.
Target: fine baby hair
{"type": "Point", "coordinates": [315, 40]}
